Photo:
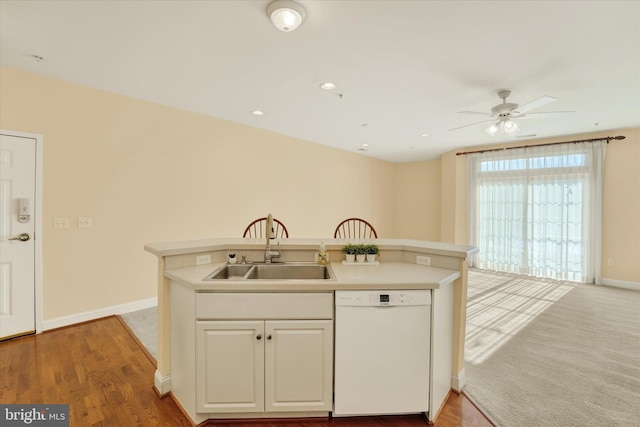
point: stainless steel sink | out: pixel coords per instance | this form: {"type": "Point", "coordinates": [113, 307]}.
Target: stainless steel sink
{"type": "Point", "coordinates": [230, 271]}
{"type": "Point", "coordinates": [288, 271]}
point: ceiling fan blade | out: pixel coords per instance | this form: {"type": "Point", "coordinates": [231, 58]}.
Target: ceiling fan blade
{"type": "Point", "coordinates": [477, 113]}
{"type": "Point", "coordinates": [536, 103]}
{"type": "Point", "coordinates": [545, 115]}
{"type": "Point", "coordinates": [471, 124]}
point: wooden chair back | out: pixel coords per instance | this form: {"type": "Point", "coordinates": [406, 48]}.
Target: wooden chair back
{"type": "Point", "coordinates": [258, 229]}
{"type": "Point", "coordinates": [355, 228]}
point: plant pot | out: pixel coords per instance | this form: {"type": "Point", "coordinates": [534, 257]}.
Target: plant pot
{"type": "Point", "coordinates": [371, 257]}
{"type": "Point", "coordinates": [351, 257]}
{"type": "Point", "coordinates": [361, 257]}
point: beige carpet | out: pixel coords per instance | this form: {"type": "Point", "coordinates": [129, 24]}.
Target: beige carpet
{"type": "Point", "coordinates": [547, 353]}
{"type": "Point", "coordinates": [144, 324]}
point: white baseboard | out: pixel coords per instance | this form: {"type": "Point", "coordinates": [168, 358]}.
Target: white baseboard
{"type": "Point", "coordinates": [59, 322]}
{"type": "Point", "coordinates": [621, 284]}
{"type": "Point", "coordinates": [458, 381]}
{"type": "Point", "coordinates": [162, 384]}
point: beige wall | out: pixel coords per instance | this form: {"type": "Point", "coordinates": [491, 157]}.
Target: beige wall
{"type": "Point", "coordinates": [621, 204]}
{"type": "Point", "coordinates": [621, 210]}
{"type": "Point", "coordinates": [418, 201]}
{"type": "Point", "coordinates": [453, 201]}
{"type": "Point", "coordinates": [147, 173]}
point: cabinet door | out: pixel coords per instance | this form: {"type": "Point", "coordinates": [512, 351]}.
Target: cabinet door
{"type": "Point", "coordinates": [298, 365]}
{"type": "Point", "coordinates": [230, 366]}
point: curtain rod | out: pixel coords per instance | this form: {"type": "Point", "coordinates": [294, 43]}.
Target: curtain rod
{"type": "Point", "coordinates": [607, 138]}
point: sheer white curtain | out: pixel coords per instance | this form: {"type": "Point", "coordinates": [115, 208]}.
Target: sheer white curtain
{"type": "Point", "coordinates": [538, 210]}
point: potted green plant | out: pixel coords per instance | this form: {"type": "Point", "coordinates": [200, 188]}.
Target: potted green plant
{"type": "Point", "coordinates": [361, 252]}
{"type": "Point", "coordinates": [350, 251]}
{"type": "Point", "coordinates": [372, 251]}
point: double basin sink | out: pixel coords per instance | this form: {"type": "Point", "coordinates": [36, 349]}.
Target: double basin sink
{"type": "Point", "coordinates": [276, 271]}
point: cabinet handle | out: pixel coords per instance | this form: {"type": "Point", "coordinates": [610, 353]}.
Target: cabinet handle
{"type": "Point", "coordinates": [259, 337]}
{"type": "Point", "coordinates": [269, 337]}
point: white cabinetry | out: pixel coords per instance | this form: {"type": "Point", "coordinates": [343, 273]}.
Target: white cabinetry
{"type": "Point", "coordinates": [298, 365]}
{"type": "Point", "coordinates": [269, 353]}
{"type": "Point", "coordinates": [230, 366]}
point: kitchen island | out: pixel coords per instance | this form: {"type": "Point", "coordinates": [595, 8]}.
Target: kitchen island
{"type": "Point", "coordinates": [190, 307]}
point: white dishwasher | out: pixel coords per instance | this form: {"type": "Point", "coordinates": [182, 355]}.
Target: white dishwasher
{"type": "Point", "coordinates": [382, 352]}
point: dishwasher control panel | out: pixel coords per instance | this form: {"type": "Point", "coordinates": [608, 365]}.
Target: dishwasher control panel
{"type": "Point", "coordinates": [383, 298]}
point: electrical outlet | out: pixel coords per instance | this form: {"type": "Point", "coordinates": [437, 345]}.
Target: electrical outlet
{"type": "Point", "coordinates": [423, 260]}
{"type": "Point", "coordinates": [84, 222]}
{"type": "Point", "coordinates": [203, 259]}
{"type": "Point", "coordinates": [610, 262]}
{"type": "Point", "coordinates": [60, 223]}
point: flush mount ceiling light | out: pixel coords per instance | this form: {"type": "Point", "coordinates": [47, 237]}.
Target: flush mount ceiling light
{"type": "Point", "coordinates": [257, 113]}
{"type": "Point", "coordinates": [286, 15]}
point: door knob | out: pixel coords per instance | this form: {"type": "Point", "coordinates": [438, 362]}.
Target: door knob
{"type": "Point", "coordinates": [22, 237]}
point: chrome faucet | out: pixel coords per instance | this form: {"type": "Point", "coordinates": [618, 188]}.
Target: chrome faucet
{"type": "Point", "coordinates": [269, 254]}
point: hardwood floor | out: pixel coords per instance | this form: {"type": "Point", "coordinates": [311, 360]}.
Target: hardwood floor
{"type": "Point", "coordinates": [106, 378]}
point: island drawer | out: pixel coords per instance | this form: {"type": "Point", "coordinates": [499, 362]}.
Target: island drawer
{"type": "Point", "coordinates": [264, 305]}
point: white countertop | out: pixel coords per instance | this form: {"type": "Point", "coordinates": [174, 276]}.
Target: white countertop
{"type": "Point", "coordinates": [385, 275]}
{"type": "Point", "coordinates": [207, 245]}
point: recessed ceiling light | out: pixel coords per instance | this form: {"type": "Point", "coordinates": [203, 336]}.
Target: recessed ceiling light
{"type": "Point", "coordinates": [424, 135]}
{"type": "Point", "coordinates": [364, 145]}
{"type": "Point", "coordinates": [328, 86]}
{"type": "Point", "coordinates": [257, 113]}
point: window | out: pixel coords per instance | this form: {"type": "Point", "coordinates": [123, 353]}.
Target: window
{"type": "Point", "coordinates": [536, 211]}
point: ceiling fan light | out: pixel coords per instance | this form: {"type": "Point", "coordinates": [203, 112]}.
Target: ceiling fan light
{"type": "Point", "coordinates": [493, 129]}
{"type": "Point", "coordinates": [286, 15]}
{"type": "Point", "coordinates": [511, 127]}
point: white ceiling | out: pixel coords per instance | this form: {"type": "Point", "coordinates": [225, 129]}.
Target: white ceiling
{"type": "Point", "coordinates": [404, 68]}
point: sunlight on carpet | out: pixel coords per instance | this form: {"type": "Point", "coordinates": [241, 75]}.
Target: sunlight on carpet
{"type": "Point", "coordinates": [499, 306]}
{"type": "Point", "coordinates": [549, 353]}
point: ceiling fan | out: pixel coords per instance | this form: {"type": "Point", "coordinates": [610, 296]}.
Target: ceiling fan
{"type": "Point", "coordinates": [503, 114]}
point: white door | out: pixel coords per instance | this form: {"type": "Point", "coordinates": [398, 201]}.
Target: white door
{"type": "Point", "coordinates": [17, 228]}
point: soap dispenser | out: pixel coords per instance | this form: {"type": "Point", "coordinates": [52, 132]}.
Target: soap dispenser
{"type": "Point", "coordinates": [323, 255]}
